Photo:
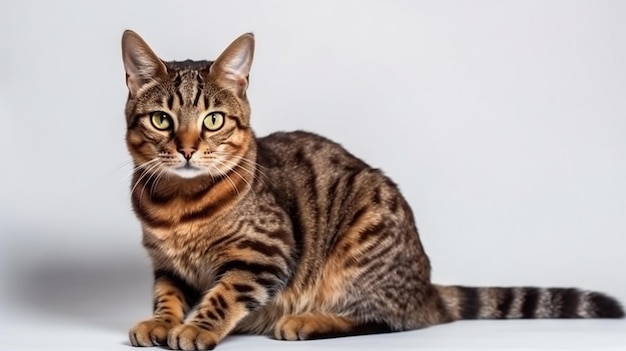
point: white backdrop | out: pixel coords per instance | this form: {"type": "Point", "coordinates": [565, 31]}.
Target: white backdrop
{"type": "Point", "coordinates": [504, 124]}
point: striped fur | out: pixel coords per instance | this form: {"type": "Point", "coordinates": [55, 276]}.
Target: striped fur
{"type": "Point", "coordinates": [288, 235]}
{"type": "Point", "coordinates": [527, 302]}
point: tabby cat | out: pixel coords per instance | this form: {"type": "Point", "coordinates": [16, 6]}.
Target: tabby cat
{"type": "Point", "coordinates": [288, 235]}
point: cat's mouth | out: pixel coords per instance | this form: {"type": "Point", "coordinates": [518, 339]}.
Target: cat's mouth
{"type": "Point", "coordinates": [187, 171]}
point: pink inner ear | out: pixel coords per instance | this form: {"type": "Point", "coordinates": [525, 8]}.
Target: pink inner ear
{"type": "Point", "coordinates": [242, 86]}
{"type": "Point", "coordinates": [131, 84]}
{"type": "Point", "coordinates": [232, 81]}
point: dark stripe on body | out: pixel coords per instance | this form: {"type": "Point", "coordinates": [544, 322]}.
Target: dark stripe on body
{"type": "Point", "coordinates": [143, 213]}
{"type": "Point", "coordinates": [341, 196]}
{"type": "Point", "coordinates": [216, 204]}
{"type": "Point", "coordinates": [226, 240]}
{"type": "Point", "coordinates": [371, 257]}
{"type": "Point", "coordinates": [258, 246]}
{"type": "Point", "coordinates": [372, 230]}
{"type": "Point", "coordinates": [252, 267]}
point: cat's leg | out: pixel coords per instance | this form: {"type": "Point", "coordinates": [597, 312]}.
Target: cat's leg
{"type": "Point", "coordinates": [307, 326]}
{"type": "Point", "coordinates": [172, 300]}
{"type": "Point", "coordinates": [242, 288]}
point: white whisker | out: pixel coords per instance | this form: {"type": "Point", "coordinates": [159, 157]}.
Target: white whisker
{"type": "Point", "coordinates": [120, 166]}
{"type": "Point", "coordinates": [161, 174]}
{"type": "Point", "coordinates": [134, 169]}
{"type": "Point", "coordinates": [143, 174]}
{"type": "Point", "coordinates": [233, 167]}
{"type": "Point", "coordinates": [242, 163]}
{"type": "Point", "coordinates": [152, 174]}
{"type": "Point", "coordinates": [221, 173]}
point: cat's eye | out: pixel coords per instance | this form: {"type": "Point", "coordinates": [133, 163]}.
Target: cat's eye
{"type": "Point", "coordinates": [161, 120]}
{"type": "Point", "coordinates": [214, 121]}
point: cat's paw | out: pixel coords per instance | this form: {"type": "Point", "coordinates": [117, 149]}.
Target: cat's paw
{"type": "Point", "coordinates": [295, 327]}
{"type": "Point", "coordinates": [151, 332]}
{"type": "Point", "coordinates": [312, 326]}
{"type": "Point", "coordinates": [191, 337]}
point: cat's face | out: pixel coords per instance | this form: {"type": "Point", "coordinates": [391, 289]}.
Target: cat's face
{"type": "Point", "coordinates": [187, 119]}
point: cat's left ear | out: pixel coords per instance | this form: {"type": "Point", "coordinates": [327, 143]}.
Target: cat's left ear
{"type": "Point", "coordinates": [232, 67]}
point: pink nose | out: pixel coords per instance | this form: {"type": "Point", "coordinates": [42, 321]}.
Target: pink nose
{"type": "Point", "coordinates": [187, 152]}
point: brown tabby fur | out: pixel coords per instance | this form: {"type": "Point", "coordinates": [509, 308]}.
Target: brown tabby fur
{"type": "Point", "coordinates": [288, 235]}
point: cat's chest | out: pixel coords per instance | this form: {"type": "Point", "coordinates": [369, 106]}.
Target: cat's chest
{"type": "Point", "coordinates": [187, 252]}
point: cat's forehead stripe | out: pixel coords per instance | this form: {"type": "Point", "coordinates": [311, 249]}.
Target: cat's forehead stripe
{"type": "Point", "coordinates": [199, 85]}
{"type": "Point", "coordinates": [170, 102]}
{"type": "Point", "coordinates": [188, 87]}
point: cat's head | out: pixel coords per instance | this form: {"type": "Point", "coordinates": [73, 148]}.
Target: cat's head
{"type": "Point", "coordinates": [187, 119]}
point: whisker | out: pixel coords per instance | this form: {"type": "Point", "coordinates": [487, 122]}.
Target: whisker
{"type": "Point", "coordinates": [152, 174]}
{"type": "Point", "coordinates": [233, 169]}
{"type": "Point", "coordinates": [221, 173]}
{"type": "Point", "coordinates": [143, 165]}
{"type": "Point", "coordinates": [133, 170]}
{"type": "Point", "coordinates": [143, 174]}
{"type": "Point", "coordinates": [120, 166]}
{"type": "Point", "coordinates": [258, 170]}
{"type": "Point", "coordinates": [160, 175]}
{"type": "Point", "coordinates": [242, 162]}
{"type": "Point", "coordinates": [239, 158]}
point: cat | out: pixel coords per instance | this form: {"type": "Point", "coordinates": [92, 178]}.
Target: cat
{"type": "Point", "coordinates": [288, 235]}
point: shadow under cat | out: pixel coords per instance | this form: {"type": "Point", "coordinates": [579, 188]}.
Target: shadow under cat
{"type": "Point", "coordinates": [106, 289]}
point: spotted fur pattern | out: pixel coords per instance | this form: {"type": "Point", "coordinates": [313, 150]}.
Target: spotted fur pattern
{"type": "Point", "coordinates": [288, 235]}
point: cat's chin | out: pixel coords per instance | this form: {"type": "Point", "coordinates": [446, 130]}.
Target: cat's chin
{"type": "Point", "coordinates": [188, 172]}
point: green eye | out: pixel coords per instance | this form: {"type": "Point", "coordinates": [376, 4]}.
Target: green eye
{"type": "Point", "coordinates": [161, 120]}
{"type": "Point", "coordinates": [214, 121]}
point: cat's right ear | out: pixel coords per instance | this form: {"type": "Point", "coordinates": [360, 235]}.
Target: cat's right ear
{"type": "Point", "coordinates": [142, 65]}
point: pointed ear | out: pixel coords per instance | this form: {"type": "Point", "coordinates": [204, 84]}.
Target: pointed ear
{"type": "Point", "coordinates": [142, 65]}
{"type": "Point", "coordinates": [232, 67]}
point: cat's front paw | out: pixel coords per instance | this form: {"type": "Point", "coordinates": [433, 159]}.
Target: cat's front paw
{"type": "Point", "coordinates": [191, 337]}
{"type": "Point", "coordinates": [151, 332]}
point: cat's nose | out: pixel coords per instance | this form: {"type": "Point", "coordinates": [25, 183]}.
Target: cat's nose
{"type": "Point", "coordinates": [187, 152]}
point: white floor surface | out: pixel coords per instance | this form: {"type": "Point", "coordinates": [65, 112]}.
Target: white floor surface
{"type": "Point", "coordinates": [466, 335]}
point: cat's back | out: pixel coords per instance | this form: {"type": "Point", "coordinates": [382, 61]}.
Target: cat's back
{"type": "Point", "coordinates": [321, 184]}
{"type": "Point", "coordinates": [307, 158]}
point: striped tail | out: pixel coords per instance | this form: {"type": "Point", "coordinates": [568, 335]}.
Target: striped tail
{"type": "Point", "coordinates": [527, 302]}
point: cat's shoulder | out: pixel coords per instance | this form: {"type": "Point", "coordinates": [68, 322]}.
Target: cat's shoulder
{"type": "Point", "coordinates": [296, 139]}
{"type": "Point", "coordinates": [302, 146]}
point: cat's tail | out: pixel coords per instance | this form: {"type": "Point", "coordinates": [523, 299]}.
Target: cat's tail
{"type": "Point", "coordinates": [527, 302]}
